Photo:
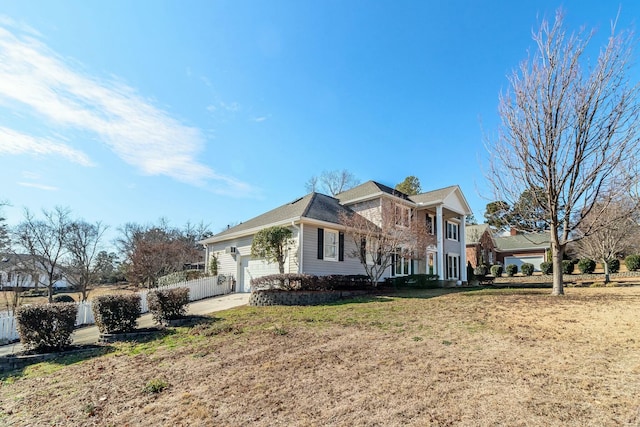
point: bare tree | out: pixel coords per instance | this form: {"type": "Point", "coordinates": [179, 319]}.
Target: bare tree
{"type": "Point", "coordinates": [569, 130]}
{"type": "Point", "coordinates": [332, 182]}
{"type": "Point", "coordinates": [384, 237]}
{"type": "Point", "coordinates": [83, 245]}
{"type": "Point", "coordinates": [44, 239]}
{"type": "Point", "coordinates": [614, 232]}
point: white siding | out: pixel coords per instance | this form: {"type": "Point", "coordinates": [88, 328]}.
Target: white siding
{"type": "Point", "coordinates": [321, 267]}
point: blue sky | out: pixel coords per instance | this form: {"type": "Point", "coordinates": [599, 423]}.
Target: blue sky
{"type": "Point", "coordinates": [216, 111]}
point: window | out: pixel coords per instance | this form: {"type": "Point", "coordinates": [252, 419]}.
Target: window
{"type": "Point", "coordinates": [401, 265]}
{"type": "Point", "coordinates": [452, 231]}
{"type": "Point", "coordinates": [403, 215]}
{"type": "Point", "coordinates": [453, 266]}
{"type": "Point", "coordinates": [431, 224]}
{"type": "Point", "coordinates": [431, 264]}
{"type": "Point", "coordinates": [330, 245]}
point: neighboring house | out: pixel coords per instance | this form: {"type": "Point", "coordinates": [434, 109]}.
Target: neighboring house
{"type": "Point", "coordinates": [480, 245]}
{"type": "Point", "coordinates": [521, 248]}
{"type": "Point", "coordinates": [318, 243]}
{"type": "Point", "coordinates": [21, 270]}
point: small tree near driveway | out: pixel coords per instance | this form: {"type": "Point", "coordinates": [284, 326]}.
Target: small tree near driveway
{"type": "Point", "coordinates": [271, 244]}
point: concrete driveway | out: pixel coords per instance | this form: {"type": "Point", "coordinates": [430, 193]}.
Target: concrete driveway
{"type": "Point", "coordinates": [90, 334]}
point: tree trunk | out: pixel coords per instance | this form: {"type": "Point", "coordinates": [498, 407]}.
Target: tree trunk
{"type": "Point", "coordinates": [557, 255]}
{"type": "Point", "coordinates": [605, 264]}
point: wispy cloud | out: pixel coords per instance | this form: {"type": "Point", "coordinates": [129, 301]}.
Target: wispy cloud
{"type": "Point", "coordinates": [259, 119]}
{"type": "Point", "coordinates": [139, 132]}
{"type": "Point", "coordinates": [12, 142]}
{"type": "Point", "coordinates": [38, 186]}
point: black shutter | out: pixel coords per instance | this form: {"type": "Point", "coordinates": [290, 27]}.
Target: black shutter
{"type": "Point", "coordinates": [363, 250]}
{"type": "Point", "coordinates": [320, 243]}
{"type": "Point", "coordinates": [379, 260]}
{"type": "Point", "coordinates": [340, 246]}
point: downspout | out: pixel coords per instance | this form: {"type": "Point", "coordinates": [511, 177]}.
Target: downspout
{"type": "Point", "coordinates": [300, 246]}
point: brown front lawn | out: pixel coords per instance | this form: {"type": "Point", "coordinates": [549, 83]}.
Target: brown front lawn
{"type": "Point", "coordinates": [433, 357]}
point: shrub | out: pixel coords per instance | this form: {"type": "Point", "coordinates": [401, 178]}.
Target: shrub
{"type": "Point", "coordinates": [496, 270]}
{"type": "Point", "coordinates": [46, 327]}
{"type": "Point", "coordinates": [632, 262]}
{"type": "Point", "coordinates": [63, 298]}
{"type": "Point", "coordinates": [567, 266]}
{"type": "Point", "coordinates": [155, 385]}
{"type": "Point", "coordinates": [546, 267]}
{"type": "Point", "coordinates": [511, 269]}
{"type": "Point", "coordinates": [168, 304]}
{"type": "Point", "coordinates": [481, 271]}
{"type": "Point", "coordinates": [470, 275]}
{"type": "Point", "coordinates": [614, 265]}
{"type": "Point", "coordinates": [116, 313]}
{"type": "Point", "coordinates": [586, 266]}
{"type": "Point", "coordinates": [527, 269]}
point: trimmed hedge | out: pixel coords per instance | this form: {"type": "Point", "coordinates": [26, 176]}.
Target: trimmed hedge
{"type": "Point", "coordinates": [546, 267]}
{"type": "Point", "coordinates": [63, 298]}
{"type": "Point", "coordinates": [417, 281]}
{"type": "Point", "coordinates": [306, 282]}
{"type": "Point", "coordinates": [496, 270]}
{"type": "Point", "coordinates": [614, 265]}
{"type": "Point", "coordinates": [527, 269]}
{"type": "Point", "coordinates": [511, 269]}
{"type": "Point", "coordinates": [586, 266]}
{"type": "Point", "coordinates": [46, 327]}
{"type": "Point", "coordinates": [632, 262]}
{"type": "Point", "coordinates": [567, 266]}
{"type": "Point", "coordinates": [480, 271]}
{"type": "Point", "coordinates": [168, 304]}
{"type": "Point", "coordinates": [116, 313]}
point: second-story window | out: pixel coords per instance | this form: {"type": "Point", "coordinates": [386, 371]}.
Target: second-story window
{"type": "Point", "coordinates": [431, 224]}
{"type": "Point", "coordinates": [452, 231]}
{"type": "Point", "coordinates": [403, 215]}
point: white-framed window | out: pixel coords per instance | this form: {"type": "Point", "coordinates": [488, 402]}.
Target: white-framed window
{"type": "Point", "coordinates": [331, 239]}
{"type": "Point", "coordinates": [431, 224]}
{"type": "Point", "coordinates": [432, 266]}
{"type": "Point", "coordinates": [453, 266]}
{"type": "Point", "coordinates": [402, 265]}
{"type": "Point", "coordinates": [403, 215]}
{"type": "Point", "coordinates": [452, 231]}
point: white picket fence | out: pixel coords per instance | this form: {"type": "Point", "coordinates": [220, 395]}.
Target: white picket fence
{"type": "Point", "coordinates": [204, 287]}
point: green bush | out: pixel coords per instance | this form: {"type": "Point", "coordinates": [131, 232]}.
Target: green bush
{"type": "Point", "coordinates": [470, 275]}
{"type": "Point", "coordinates": [614, 265]}
{"type": "Point", "coordinates": [586, 266]}
{"type": "Point", "coordinates": [116, 313]}
{"type": "Point", "coordinates": [496, 270]}
{"type": "Point", "coordinates": [46, 327]}
{"type": "Point", "coordinates": [63, 298]}
{"type": "Point", "coordinates": [632, 262]}
{"type": "Point", "coordinates": [527, 269]}
{"type": "Point", "coordinates": [546, 267]}
{"type": "Point", "coordinates": [511, 269]}
{"type": "Point", "coordinates": [168, 304]}
{"type": "Point", "coordinates": [481, 271]}
{"type": "Point", "coordinates": [567, 266]}
{"type": "Point", "coordinates": [417, 281]}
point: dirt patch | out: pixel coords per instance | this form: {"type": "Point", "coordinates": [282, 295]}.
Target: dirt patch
{"type": "Point", "coordinates": [518, 357]}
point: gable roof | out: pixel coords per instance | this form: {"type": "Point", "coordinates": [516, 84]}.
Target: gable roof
{"type": "Point", "coordinates": [315, 206]}
{"type": "Point", "coordinates": [368, 189]}
{"type": "Point", "coordinates": [434, 195]}
{"type": "Point", "coordinates": [526, 241]}
{"type": "Point", "coordinates": [472, 233]}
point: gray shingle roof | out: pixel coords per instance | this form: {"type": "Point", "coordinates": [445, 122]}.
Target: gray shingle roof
{"type": "Point", "coordinates": [472, 233]}
{"type": "Point", "coordinates": [366, 189]}
{"type": "Point", "coordinates": [314, 206]}
{"type": "Point", "coordinates": [433, 196]}
{"type": "Point", "coordinates": [522, 241]}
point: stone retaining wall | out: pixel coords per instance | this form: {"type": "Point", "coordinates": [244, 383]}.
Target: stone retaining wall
{"type": "Point", "coordinates": [265, 298]}
{"type": "Point", "coordinates": [12, 363]}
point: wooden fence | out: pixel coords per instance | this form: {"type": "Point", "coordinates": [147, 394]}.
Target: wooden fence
{"type": "Point", "coordinates": [205, 287]}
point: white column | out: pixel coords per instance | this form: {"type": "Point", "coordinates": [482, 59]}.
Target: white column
{"type": "Point", "coordinates": [463, 250]}
{"type": "Point", "coordinates": [440, 240]}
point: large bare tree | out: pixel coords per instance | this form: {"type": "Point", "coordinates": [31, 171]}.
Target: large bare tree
{"type": "Point", "coordinates": [44, 240]}
{"type": "Point", "coordinates": [569, 127]}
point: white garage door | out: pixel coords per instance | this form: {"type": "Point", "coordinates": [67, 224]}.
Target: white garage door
{"type": "Point", "coordinates": [254, 268]}
{"type": "Point", "coordinates": [519, 260]}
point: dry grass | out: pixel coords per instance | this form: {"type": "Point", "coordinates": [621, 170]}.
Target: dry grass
{"type": "Point", "coordinates": [518, 358]}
